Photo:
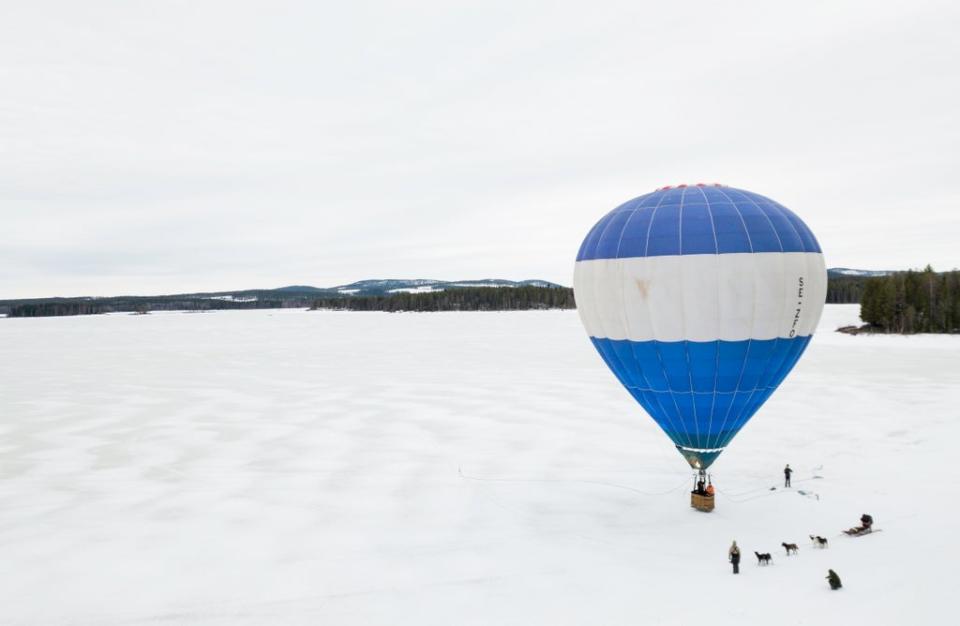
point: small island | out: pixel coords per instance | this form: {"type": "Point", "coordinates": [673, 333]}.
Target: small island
{"type": "Point", "coordinates": [910, 302]}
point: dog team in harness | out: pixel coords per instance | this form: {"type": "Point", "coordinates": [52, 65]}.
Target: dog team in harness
{"type": "Point", "coordinates": [733, 553]}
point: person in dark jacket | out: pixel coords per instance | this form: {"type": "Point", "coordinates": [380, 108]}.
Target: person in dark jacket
{"type": "Point", "coordinates": [734, 554]}
{"type": "Point", "coordinates": [833, 579]}
{"type": "Point", "coordinates": [866, 526]}
{"type": "Point", "coordinates": [786, 475]}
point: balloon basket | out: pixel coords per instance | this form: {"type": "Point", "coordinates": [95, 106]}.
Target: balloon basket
{"type": "Point", "coordinates": [701, 502]}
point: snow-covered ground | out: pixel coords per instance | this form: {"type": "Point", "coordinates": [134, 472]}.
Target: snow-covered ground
{"type": "Point", "coordinates": [293, 467]}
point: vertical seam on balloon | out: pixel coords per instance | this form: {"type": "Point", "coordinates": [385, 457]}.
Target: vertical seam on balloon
{"type": "Point", "coordinates": [656, 343]}
{"type": "Point", "coordinates": [683, 317]}
{"type": "Point", "coordinates": [764, 214]}
{"type": "Point", "coordinates": [653, 216]}
{"type": "Point", "coordinates": [776, 207]}
{"type": "Point", "coordinates": [746, 231]}
{"type": "Point", "coordinates": [803, 348]}
{"type": "Point", "coordinates": [784, 366]}
{"type": "Point", "coordinates": [768, 389]}
{"type": "Point", "coordinates": [733, 399]}
{"type": "Point", "coordinates": [637, 205]}
{"type": "Point", "coordinates": [745, 413]}
{"type": "Point", "coordinates": [596, 247]}
{"type": "Point", "coordinates": [713, 226]}
{"type": "Point", "coordinates": [620, 279]}
{"type": "Point", "coordinates": [623, 292]}
{"type": "Point", "coordinates": [808, 274]}
{"type": "Point", "coordinates": [614, 356]}
{"type": "Point", "coordinates": [716, 365]}
{"type": "Point", "coordinates": [753, 310]}
{"type": "Point", "coordinates": [815, 263]}
{"type": "Point", "coordinates": [633, 212]}
{"type": "Point", "coordinates": [581, 253]}
{"type": "Point", "coordinates": [806, 233]}
{"type": "Point", "coordinates": [673, 425]}
{"type": "Point", "coordinates": [583, 246]}
{"type": "Point", "coordinates": [600, 318]}
{"type": "Point", "coordinates": [683, 194]}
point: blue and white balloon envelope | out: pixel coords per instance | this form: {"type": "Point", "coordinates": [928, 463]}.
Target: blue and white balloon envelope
{"type": "Point", "coordinates": [700, 299]}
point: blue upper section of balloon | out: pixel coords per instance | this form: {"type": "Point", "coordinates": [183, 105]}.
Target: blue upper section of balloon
{"type": "Point", "coordinates": [697, 219]}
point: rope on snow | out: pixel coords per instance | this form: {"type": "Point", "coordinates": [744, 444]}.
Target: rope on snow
{"type": "Point", "coordinates": [572, 480]}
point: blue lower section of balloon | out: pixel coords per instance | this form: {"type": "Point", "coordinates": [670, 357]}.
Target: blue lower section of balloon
{"type": "Point", "coordinates": [701, 393]}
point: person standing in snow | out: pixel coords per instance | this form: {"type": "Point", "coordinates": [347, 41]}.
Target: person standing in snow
{"type": "Point", "coordinates": [734, 554]}
{"type": "Point", "coordinates": [833, 579]}
{"type": "Point", "coordinates": [786, 475]}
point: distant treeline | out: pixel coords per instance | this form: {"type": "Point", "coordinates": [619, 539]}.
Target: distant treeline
{"type": "Point", "coordinates": [845, 289]}
{"type": "Point", "coordinates": [459, 299]}
{"type": "Point", "coordinates": [913, 302]}
{"type": "Point", "coordinates": [88, 306]}
{"type": "Point", "coordinates": [49, 309]}
{"type": "Point", "coordinates": [462, 299]}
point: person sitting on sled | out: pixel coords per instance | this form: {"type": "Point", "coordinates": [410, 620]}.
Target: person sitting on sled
{"type": "Point", "coordinates": [866, 525]}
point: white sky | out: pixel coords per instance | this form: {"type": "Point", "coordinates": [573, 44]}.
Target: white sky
{"type": "Point", "coordinates": [158, 147]}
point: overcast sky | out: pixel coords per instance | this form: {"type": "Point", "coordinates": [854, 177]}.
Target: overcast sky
{"type": "Point", "coordinates": [158, 147]}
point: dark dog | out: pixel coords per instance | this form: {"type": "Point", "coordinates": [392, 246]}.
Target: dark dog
{"type": "Point", "coordinates": [790, 547]}
{"type": "Point", "coordinates": [818, 541]}
{"type": "Point", "coordinates": [763, 559]}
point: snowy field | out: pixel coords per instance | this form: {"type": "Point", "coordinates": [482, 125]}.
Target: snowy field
{"type": "Point", "coordinates": [293, 467]}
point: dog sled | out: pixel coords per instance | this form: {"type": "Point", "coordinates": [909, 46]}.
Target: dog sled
{"type": "Point", "coordinates": [865, 527]}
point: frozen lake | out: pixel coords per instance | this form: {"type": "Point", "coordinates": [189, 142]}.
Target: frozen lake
{"type": "Point", "coordinates": [294, 467]}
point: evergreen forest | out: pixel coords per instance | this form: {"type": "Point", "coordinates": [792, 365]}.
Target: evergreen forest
{"type": "Point", "coordinates": [912, 302]}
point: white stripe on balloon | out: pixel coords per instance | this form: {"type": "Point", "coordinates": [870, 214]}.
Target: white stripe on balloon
{"type": "Point", "coordinates": [702, 297]}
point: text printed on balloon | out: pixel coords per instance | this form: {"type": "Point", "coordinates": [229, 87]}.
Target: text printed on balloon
{"type": "Point", "coordinates": [796, 317]}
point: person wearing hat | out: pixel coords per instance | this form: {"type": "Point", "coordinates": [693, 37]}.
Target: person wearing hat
{"type": "Point", "coordinates": [734, 554]}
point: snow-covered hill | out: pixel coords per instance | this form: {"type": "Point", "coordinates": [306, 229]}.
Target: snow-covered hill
{"type": "Point", "coordinates": [835, 272]}
{"type": "Point", "coordinates": [421, 285]}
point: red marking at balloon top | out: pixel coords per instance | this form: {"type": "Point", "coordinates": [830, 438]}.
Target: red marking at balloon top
{"type": "Point", "coordinates": [683, 185]}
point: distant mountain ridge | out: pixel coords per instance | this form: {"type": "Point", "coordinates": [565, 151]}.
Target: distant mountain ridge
{"type": "Point", "coordinates": [376, 287]}
{"type": "Point", "coordinates": [846, 285]}
{"type": "Point", "coordinates": [281, 297]}
{"type": "Point", "coordinates": [835, 272]}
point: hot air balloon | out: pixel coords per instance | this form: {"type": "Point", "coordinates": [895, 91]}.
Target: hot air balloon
{"type": "Point", "coordinates": [700, 299]}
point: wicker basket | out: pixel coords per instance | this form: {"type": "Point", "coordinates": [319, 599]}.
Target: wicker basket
{"type": "Point", "coordinates": [701, 502]}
